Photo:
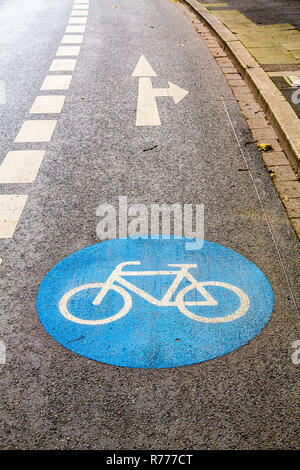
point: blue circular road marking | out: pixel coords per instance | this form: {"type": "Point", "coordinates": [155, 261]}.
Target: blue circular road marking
{"type": "Point", "coordinates": [153, 304]}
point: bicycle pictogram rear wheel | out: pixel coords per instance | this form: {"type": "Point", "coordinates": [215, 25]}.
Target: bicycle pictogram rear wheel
{"type": "Point", "coordinates": [63, 304]}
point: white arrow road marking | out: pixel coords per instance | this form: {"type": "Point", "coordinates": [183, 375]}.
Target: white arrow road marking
{"type": "Point", "coordinates": [147, 112]}
{"type": "Point", "coordinates": [173, 91]}
{"type": "Point", "coordinates": [143, 69]}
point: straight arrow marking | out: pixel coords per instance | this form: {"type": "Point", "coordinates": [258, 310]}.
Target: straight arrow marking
{"type": "Point", "coordinates": [147, 112]}
{"type": "Point", "coordinates": [143, 69]}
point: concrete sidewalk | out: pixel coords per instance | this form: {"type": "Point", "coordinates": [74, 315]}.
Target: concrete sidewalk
{"type": "Point", "coordinates": [270, 32]}
{"type": "Point", "coordinates": [260, 61]}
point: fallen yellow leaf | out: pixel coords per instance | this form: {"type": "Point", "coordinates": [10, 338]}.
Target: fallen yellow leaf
{"type": "Point", "coordinates": [265, 147]}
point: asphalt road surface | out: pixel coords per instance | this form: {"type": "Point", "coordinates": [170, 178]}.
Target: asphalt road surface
{"type": "Point", "coordinates": [52, 398]}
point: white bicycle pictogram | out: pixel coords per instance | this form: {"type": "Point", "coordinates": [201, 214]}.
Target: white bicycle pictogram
{"type": "Point", "coordinates": [117, 276]}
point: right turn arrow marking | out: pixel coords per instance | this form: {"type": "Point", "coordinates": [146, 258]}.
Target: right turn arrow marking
{"type": "Point", "coordinates": [147, 112]}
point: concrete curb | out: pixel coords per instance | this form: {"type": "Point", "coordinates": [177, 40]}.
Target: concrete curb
{"type": "Point", "coordinates": [278, 111]}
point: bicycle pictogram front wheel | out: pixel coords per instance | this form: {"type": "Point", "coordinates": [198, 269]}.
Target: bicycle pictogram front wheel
{"type": "Point", "coordinates": [181, 303]}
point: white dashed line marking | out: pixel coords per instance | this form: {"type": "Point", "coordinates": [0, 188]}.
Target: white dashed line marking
{"type": "Point", "coordinates": [21, 166]}
{"type": "Point", "coordinates": [47, 104]}
{"type": "Point", "coordinates": [11, 207]}
{"type": "Point", "coordinates": [72, 39]}
{"type": "Point", "coordinates": [75, 29]}
{"type": "Point", "coordinates": [63, 65]}
{"type": "Point", "coordinates": [68, 50]}
{"type": "Point", "coordinates": [56, 82]}
{"type": "Point", "coordinates": [79, 13]}
{"type": "Point", "coordinates": [74, 20]}
{"type": "Point", "coordinates": [2, 92]}
{"type": "Point", "coordinates": [36, 131]}
{"type": "Point", "coordinates": [2, 347]}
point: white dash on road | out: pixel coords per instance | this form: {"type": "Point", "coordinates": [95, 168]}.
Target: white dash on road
{"type": "Point", "coordinates": [56, 82]}
{"type": "Point", "coordinates": [72, 39]}
{"type": "Point", "coordinates": [2, 92]}
{"type": "Point", "coordinates": [63, 65]}
{"type": "Point", "coordinates": [74, 20]}
{"type": "Point", "coordinates": [2, 348]}
{"type": "Point", "coordinates": [36, 131]}
{"type": "Point", "coordinates": [77, 6]}
{"type": "Point", "coordinates": [11, 207]}
{"type": "Point", "coordinates": [75, 29]}
{"type": "Point", "coordinates": [47, 104]}
{"type": "Point", "coordinates": [79, 13]}
{"type": "Point", "coordinates": [21, 166]}
{"type": "Point", "coordinates": [68, 50]}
